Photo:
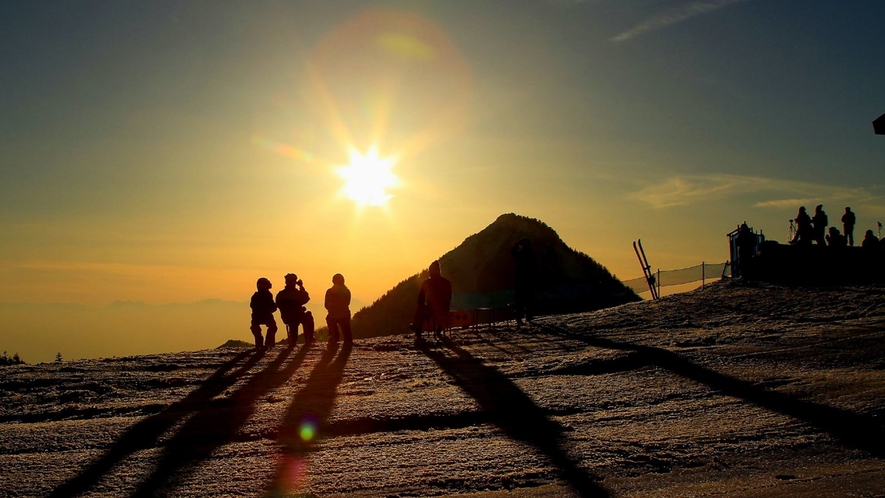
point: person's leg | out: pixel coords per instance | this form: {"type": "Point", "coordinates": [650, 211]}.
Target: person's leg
{"type": "Point", "coordinates": [345, 330]}
{"type": "Point", "coordinates": [421, 314]}
{"type": "Point", "coordinates": [271, 333]}
{"type": "Point", "coordinates": [519, 306]}
{"type": "Point", "coordinates": [333, 328]}
{"type": "Point", "coordinates": [440, 321]}
{"type": "Point", "coordinates": [256, 331]}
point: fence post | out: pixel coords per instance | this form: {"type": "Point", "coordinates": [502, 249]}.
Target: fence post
{"type": "Point", "coordinates": [659, 282]}
{"type": "Point", "coordinates": [703, 274]}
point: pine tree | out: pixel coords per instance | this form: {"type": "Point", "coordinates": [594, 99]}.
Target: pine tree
{"type": "Point", "coordinates": [58, 357]}
{"type": "Point", "coordinates": [4, 360]}
{"type": "Point", "coordinates": [16, 359]}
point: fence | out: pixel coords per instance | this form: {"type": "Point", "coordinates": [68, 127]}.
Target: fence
{"type": "Point", "coordinates": [667, 278]}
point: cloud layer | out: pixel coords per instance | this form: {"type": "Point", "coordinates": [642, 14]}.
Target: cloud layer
{"type": "Point", "coordinates": [685, 190]}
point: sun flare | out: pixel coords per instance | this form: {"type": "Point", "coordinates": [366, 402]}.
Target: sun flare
{"type": "Point", "coordinates": [368, 177]}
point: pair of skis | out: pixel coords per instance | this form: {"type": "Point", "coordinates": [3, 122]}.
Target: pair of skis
{"type": "Point", "coordinates": [646, 268]}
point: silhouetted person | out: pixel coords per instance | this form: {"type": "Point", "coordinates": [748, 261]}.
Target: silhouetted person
{"type": "Point", "coordinates": [337, 303]}
{"type": "Point", "coordinates": [434, 300]}
{"type": "Point", "coordinates": [262, 314]}
{"type": "Point", "coordinates": [848, 221]}
{"type": "Point", "coordinates": [820, 222]}
{"type": "Point", "coordinates": [526, 270]}
{"type": "Point", "coordinates": [746, 247]}
{"type": "Point", "coordinates": [803, 228]}
{"type": "Point", "coordinates": [869, 240]}
{"type": "Point", "coordinates": [291, 301]}
{"type": "Point", "coordinates": [835, 239]}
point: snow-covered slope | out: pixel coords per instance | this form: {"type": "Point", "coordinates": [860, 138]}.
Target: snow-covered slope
{"type": "Point", "coordinates": [730, 390]}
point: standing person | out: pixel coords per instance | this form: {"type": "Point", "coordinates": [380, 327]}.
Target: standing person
{"type": "Point", "coordinates": [526, 269]}
{"type": "Point", "coordinates": [434, 300]}
{"type": "Point", "coordinates": [848, 221]}
{"type": "Point", "coordinates": [291, 301]}
{"type": "Point", "coordinates": [803, 227]}
{"type": "Point", "coordinates": [262, 314]}
{"type": "Point", "coordinates": [820, 222]}
{"type": "Point", "coordinates": [337, 303]}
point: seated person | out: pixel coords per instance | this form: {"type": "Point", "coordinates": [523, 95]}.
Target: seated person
{"type": "Point", "coordinates": [291, 301]}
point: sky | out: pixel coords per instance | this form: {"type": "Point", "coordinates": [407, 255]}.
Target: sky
{"type": "Point", "coordinates": [175, 151]}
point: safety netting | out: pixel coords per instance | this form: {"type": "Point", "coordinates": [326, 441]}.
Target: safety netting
{"type": "Point", "coordinates": [667, 278]}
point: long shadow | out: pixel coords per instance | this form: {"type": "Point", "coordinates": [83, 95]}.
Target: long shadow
{"type": "Point", "coordinates": [146, 432]}
{"type": "Point", "coordinates": [216, 425]}
{"type": "Point", "coordinates": [501, 339]}
{"type": "Point", "coordinates": [514, 412]}
{"type": "Point", "coordinates": [852, 429]}
{"type": "Point", "coordinates": [306, 420]}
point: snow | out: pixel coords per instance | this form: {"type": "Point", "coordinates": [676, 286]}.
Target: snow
{"type": "Point", "coordinates": [734, 389]}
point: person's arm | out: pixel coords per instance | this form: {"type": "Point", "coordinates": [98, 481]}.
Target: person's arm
{"type": "Point", "coordinates": [326, 302]}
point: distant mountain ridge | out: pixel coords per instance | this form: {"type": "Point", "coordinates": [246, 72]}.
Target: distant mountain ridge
{"type": "Point", "coordinates": [482, 272]}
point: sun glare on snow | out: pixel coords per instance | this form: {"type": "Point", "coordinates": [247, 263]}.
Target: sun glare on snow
{"type": "Point", "coordinates": [368, 177]}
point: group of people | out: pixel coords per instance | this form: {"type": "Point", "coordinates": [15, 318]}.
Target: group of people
{"type": "Point", "coordinates": [814, 229]}
{"type": "Point", "coordinates": [434, 303]}
{"type": "Point", "coordinates": [290, 302]}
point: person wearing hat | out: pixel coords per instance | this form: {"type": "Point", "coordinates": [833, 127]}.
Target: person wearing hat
{"type": "Point", "coordinates": [337, 303]}
{"type": "Point", "coordinates": [263, 306]}
{"type": "Point", "coordinates": [291, 301]}
{"type": "Point", "coordinates": [434, 300]}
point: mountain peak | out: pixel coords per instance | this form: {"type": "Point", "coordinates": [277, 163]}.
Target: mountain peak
{"type": "Point", "coordinates": [482, 272]}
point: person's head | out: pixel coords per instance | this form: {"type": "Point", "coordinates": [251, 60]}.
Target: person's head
{"type": "Point", "coordinates": [263, 284]}
{"type": "Point", "coordinates": [338, 279]}
{"type": "Point", "coordinates": [819, 208]}
{"type": "Point", "coordinates": [834, 231]}
{"type": "Point", "coordinates": [434, 269]}
{"type": "Point", "coordinates": [869, 235]}
{"type": "Point", "coordinates": [291, 279]}
{"type": "Point", "coordinates": [801, 209]}
{"type": "Point", "coordinates": [847, 209]}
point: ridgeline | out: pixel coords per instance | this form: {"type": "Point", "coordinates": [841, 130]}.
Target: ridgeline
{"type": "Point", "coordinates": [482, 273]}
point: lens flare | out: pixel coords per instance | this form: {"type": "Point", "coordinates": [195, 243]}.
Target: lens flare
{"type": "Point", "coordinates": [308, 429]}
{"type": "Point", "coordinates": [293, 473]}
{"type": "Point", "coordinates": [282, 148]}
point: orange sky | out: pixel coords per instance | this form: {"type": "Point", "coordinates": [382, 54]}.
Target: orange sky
{"type": "Point", "coordinates": [175, 153]}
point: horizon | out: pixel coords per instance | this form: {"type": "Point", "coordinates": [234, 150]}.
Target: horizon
{"type": "Point", "coordinates": [172, 153]}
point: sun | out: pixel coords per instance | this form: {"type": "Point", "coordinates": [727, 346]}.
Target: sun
{"type": "Point", "coordinates": [368, 177]}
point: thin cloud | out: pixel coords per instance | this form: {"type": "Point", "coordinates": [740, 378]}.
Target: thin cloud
{"type": "Point", "coordinates": [686, 190]}
{"type": "Point", "coordinates": [683, 13]}
{"type": "Point", "coordinates": [784, 203]}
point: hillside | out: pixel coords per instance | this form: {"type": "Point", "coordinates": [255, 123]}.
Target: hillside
{"type": "Point", "coordinates": [482, 273]}
{"type": "Point", "coordinates": [731, 390]}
